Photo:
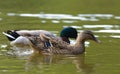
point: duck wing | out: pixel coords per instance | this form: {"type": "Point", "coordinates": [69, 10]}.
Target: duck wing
{"type": "Point", "coordinates": [37, 43]}
{"type": "Point", "coordinates": [54, 41]}
{"type": "Point", "coordinates": [57, 46]}
{"type": "Point", "coordinates": [50, 44]}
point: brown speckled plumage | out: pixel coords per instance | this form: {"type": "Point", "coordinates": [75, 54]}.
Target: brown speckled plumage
{"type": "Point", "coordinates": [61, 47]}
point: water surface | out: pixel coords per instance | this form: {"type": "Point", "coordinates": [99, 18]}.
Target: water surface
{"type": "Point", "coordinates": [101, 17]}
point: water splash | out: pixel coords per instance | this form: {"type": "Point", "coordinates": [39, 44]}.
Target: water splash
{"type": "Point", "coordinates": [19, 51]}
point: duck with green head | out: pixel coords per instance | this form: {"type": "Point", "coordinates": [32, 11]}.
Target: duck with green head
{"type": "Point", "coordinates": [20, 37]}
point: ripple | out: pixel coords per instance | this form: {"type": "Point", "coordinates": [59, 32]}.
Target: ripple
{"type": "Point", "coordinates": [68, 21]}
{"type": "Point", "coordinates": [77, 27]}
{"type": "Point", "coordinates": [11, 14]}
{"type": "Point", "coordinates": [105, 16]}
{"type": "Point", "coordinates": [43, 21]}
{"type": "Point", "coordinates": [0, 19]}
{"type": "Point", "coordinates": [55, 21]}
{"type": "Point", "coordinates": [115, 36]}
{"type": "Point", "coordinates": [3, 45]}
{"type": "Point", "coordinates": [71, 18]}
{"type": "Point", "coordinates": [99, 26]}
{"type": "Point", "coordinates": [108, 31]}
{"type": "Point", "coordinates": [117, 17]}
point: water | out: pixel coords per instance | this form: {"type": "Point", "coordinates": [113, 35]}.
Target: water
{"type": "Point", "coordinates": [101, 17]}
{"type": "Point", "coordinates": [67, 18]}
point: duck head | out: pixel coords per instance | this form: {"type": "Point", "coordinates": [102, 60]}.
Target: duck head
{"type": "Point", "coordinates": [87, 35]}
{"type": "Point", "coordinates": [67, 33]}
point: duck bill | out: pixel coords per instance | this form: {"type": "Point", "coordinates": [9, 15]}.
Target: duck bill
{"type": "Point", "coordinates": [96, 40]}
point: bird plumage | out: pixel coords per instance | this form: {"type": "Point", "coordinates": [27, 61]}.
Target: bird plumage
{"type": "Point", "coordinates": [20, 37]}
{"type": "Point", "coordinates": [62, 47]}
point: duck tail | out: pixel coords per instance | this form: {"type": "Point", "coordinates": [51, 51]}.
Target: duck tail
{"type": "Point", "coordinates": [11, 35]}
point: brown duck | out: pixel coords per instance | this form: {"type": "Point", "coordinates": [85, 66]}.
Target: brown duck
{"type": "Point", "coordinates": [61, 47]}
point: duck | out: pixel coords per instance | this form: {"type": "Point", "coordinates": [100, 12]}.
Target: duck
{"type": "Point", "coordinates": [62, 47]}
{"type": "Point", "coordinates": [19, 38]}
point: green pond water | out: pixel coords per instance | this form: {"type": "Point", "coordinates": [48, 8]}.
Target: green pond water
{"type": "Point", "coordinates": [100, 16]}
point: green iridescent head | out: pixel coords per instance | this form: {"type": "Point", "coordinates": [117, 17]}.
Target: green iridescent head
{"type": "Point", "coordinates": [69, 32]}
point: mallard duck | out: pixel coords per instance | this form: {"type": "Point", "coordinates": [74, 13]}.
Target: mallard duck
{"type": "Point", "coordinates": [62, 47]}
{"type": "Point", "coordinates": [19, 37]}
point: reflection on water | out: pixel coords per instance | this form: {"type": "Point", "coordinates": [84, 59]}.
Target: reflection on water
{"type": "Point", "coordinates": [117, 17]}
{"type": "Point", "coordinates": [0, 19]}
{"type": "Point", "coordinates": [77, 27]}
{"type": "Point", "coordinates": [52, 63]}
{"type": "Point", "coordinates": [3, 45]}
{"type": "Point", "coordinates": [67, 18]}
{"type": "Point", "coordinates": [81, 66]}
{"type": "Point", "coordinates": [69, 21]}
{"type": "Point", "coordinates": [115, 36]}
{"type": "Point", "coordinates": [106, 27]}
{"type": "Point", "coordinates": [104, 16]}
{"type": "Point", "coordinates": [108, 31]}
{"type": "Point", "coordinates": [55, 21]}
{"type": "Point", "coordinates": [101, 26]}
{"type": "Point", "coordinates": [40, 61]}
